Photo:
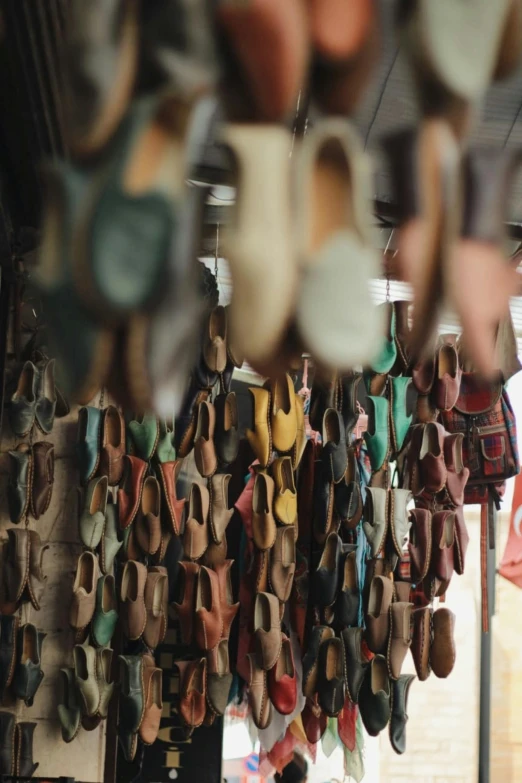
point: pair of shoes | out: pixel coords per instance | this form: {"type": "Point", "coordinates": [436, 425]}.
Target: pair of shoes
{"type": "Point", "coordinates": [100, 443]}
{"type": "Point", "coordinates": [16, 743]}
{"type": "Point", "coordinates": [23, 572]}
{"type": "Point", "coordinates": [144, 596]}
{"type": "Point", "coordinates": [388, 624]}
{"type": "Point", "coordinates": [386, 521]}
{"type": "Point", "coordinates": [435, 464]}
{"type": "Point", "coordinates": [28, 673]}
{"type": "Point", "coordinates": [324, 670]}
{"type": "Point", "coordinates": [92, 679]}
{"type": "Point", "coordinates": [336, 583]}
{"type": "Point", "coordinates": [438, 544]}
{"type": "Point", "coordinates": [34, 400]}
{"type": "Point", "coordinates": [106, 611]}
{"type": "Point", "coordinates": [31, 480]}
{"type": "Point", "coordinates": [207, 518]}
{"type": "Point", "coordinates": [144, 434]}
{"type": "Point", "coordinates": [433, 645]}
{"type": "Point", "coordinates": [173, 506]}
{"type": "Point", "coordinates": [440, 375]}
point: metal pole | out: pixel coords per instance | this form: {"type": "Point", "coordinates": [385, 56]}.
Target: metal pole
{"type": "Point", "coordinates": [485, 652]}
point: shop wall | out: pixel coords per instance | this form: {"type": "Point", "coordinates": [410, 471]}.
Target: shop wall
{"type": "Point", "coordinates": [83, 759]}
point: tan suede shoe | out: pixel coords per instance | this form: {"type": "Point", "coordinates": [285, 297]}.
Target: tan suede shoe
{"type": "Point", "coordinates": [400, 636]}
{"type": "Point", "coordinates": [260, 437]}
{"type": "Point", "coordinates": [152, 684]}
{"type": "Point", "coordinates": [204, 449]}
{"type": "Point", "coordinates": [220, 513]}
{"type": "Point", "coordinates": [156, 604]}
{"type": "Point", "coordinates": [84, 590]}
{"type": "Point", "coordinates": [267, 629]}
{"type": "Point", "coordinates": [133, 613]}
{"type": "Point", "coordinates": [377, 618]}
{"type": "Point", "coordinates": [282, 563]}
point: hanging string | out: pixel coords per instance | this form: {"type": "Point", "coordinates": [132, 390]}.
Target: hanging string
{"type": "Point", "coordinates": [217, 253]}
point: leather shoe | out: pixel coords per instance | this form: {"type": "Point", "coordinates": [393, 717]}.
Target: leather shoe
{"type": "Point", "coordinates": [145, 432]}
{"type": "Point", "coordinates": [228, 609]}
{"type": "Point", "coordinates": [443, 554]}
{"type": "Point", "coordinates": [156, 604]}
{"type": "Point", "coordinates": [106, 612]}
{"type": "Point", "coordinates": [283, 419]}
{"type": "Point", "coordinates": [196, 536]}
{"type": "Point", "coordinates": [355, 665]}
{"type": "Point", "coordinates": [84, 657]}
{"type": "Point", "coordinates": [19, 482]}
{"type": "Point", "coordinates": [333, 455]}
{"type": "Point", "coordinates": [457, 473]}
{"type": "Point", "coordinates": [208, 624]}
{"type": "Point", "coordinates": [43, 478]}
{"type": "Point", "coordinates": [374, 696]}
{"type": "Point", "coordinates": [7, 743]}
{"type": "Point", "coordinates": [215, 340]}
{"type": "Point", "coordinates": [285, 495]}
{"type": "Point", "coordinates": [84, 591]}
{"type": "Point", "coordinates": [28, 673]}
{"type": "Point", "coordinates": [331, 683]}
{"type": "Point", "coordinates": [258, 694]}
{"type": "Point", "coordinates": [220, 513]}
{"type": "Point", "coordinates": [9, 625]}
{"type": "Point", "coordinates": [400, 636]}
{"type": "Point", "coordinates": [318, 635]}
{"type": "Point", "coordinates": [147, 524]}
{"type": "Point", "coordinates": [260, 438]}
{"type": "Point", "coordinates": [69, 713]}
{"type": "Point", "coordinates": [442, 650]}
{"type": "Point", "coordinates": [226, 433]}
{"type": "Point", "coordinates": [399, 715]}
{"type": "Point", "coordinates": [22, 406]}
{"type": "Point", "coordinates": [92, 519]}
{"type": "Point", "coordinates": [420, 648]}
{"type": "Point", "coordinates": [376, 517]}
{"type": "Point", "coordinates": [204, 449]}
{"type": "Point", "coordinates": [282, 680]}
{"type": "Point", "coordinates": [419, 545]}
{"type": "Point", "coordinates": [112, 445]}
{"type": "Point", "coordinates": [186, 594]}
{"type": "Point", "coordinates": [132, 703]}
{"type": "Point", "coordinates": [263, 522]}
{"type": "Point", "coordinates": [153, 704]}
{"type": "Point", "coordinates": [173, 506]}
{"type": "Point", "coordinates": [447, 381]}
{"type": "Point", "coordinates": [347, 494]}
{"type": "Point", "coordinates": [219, 678]}
{"type": "Point", "coordinates": [378, 615]}
{"type": "Point", "coordinates": [110, 543]}
{"type": "Point", "coordinates": [45, 408]}
{"type": "Point", "coordinates": [192, 704]}
{"type": "Point", "coordinates": [377, 434]}
{"type": "Point", "coordinates": [129, 492]}
{"type": "Point", "coordinates": [326, 579]}
{"type": "Point", "coordinates": [88, 442]}
{"type": "Point", "coordinates": [283, 564]}
{"type": "Point", "coordinates": [132, 608]}
{"type": "Point", "coordinates": [347, 604]}
{"type": "Point", "coordinates": [267, 629]}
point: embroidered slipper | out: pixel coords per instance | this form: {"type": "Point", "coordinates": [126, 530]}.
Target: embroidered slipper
{"type": "Point", "coordinates": [336, 253]}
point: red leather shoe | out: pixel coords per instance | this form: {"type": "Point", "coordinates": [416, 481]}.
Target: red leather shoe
{"type": "Point", "coordinates": [442, 558]}
{"type": "Point", "coordinates": [419, 545]}
{"type": "Point", "coordinates": [129, 493]}
{"type": "Point", "coordinates": [461, 541]}
{"type": "Point", "coordinates": [282, 681]}
{"type": "Point", "coordinates": [207, 622]}
{"type": "Point", "coordinates": [426, 459]}
{"type": "Point", "coordinates": [458, 473]}
{"type": "Point", "coordinates": [314, 724]}
{"type": "Point", "coordinates": [447, 383]}
{"type": "Point", "coordinates": [169, 475]}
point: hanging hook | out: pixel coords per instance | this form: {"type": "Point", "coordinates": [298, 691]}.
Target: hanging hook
{"type": "Point", "coordinates": [217, 253]}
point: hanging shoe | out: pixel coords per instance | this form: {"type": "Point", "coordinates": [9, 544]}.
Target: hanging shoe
{"type": "Point", "coordinates": [166, 448]}
{"type": "Point", "coordinates": [220, 513]}
{"type": "Point", "coordinates": [110, 544]}
{"type": "Point", "coordinates": [43, 478]}
{"type": "Point", "coordinates": [88, 442]}
{"type": "Point", "coordinates": [285, 494]}
{"type": "Point", "coordinates": [403, 403]}
{"type": "Point", "coordinates": [226, 435]}
{"type": "Point", "coordinates": [282, 680]}
{"type": "Point", "coordinates": [147, 524]}
{"type": "Point", "coordinates": [112, 445]}
{"type": "Point", "coordinates": [400, 636]}
{"type": "Point", "coordinates": [103, 677]}
{"type": "Point", "coordinates": [92, 519]}
{"type": "Point", "coordinates": [219, 677]}
{"type": "Point", "coordinates": [374, 696]}
{"type": "Point", "coordinates": [8, 649]}
{"type": "Point", "coordinates": [132, 703]}
{"type": "Point", "coordinates": [152, 687]}
{"type": "Point", "coordinates": [186, 594]}
{"type": "Point", "coordinates": [260, 437]}
{"type": "Point", "coordinates": [399, 716]}
{"type": "Point", "coordinates": [318, 635]}
{"type": "Point", "coordinates": [106, 611]}
{"type": "Point", "coordinates": [173, 506]}
{"type": "Point", "coordinates": [46, 398]}
{"type": "Point", "coordinates": [196, 537]}
{"type": "Point", "coordinates": [326, 577]}
{"type": "Point", "coordinates": [283, 419]}
{"type": "Point", "coordinates": [263, 522]}
{"type": "Point", "coordinates": [378, 613]}
{"type": "Point", "coordinates": [204, 449]}
{"type": "Point", "coordinates": [208, 624]}
{"type": "Point", "coordinates": [7, 744]}
{"type": "Point", "coordinates": [22, 405]}
{"type": "Point", "coordinates": [84, 591]}
{"type": "Point", "coordinates": [28, 674]}
{"type": "Point", "coordinates": [336, 253]}
{"type": "Point", "coordinates": [215, 340]}
{"type": "Point", "coordinates": [129, 491]}
{"type": "Point", "coordinates": [376, 436]}
{"type": "Point", "coordinates": [447, 382]}
{"type": "Point", "coordinates": [258, 694]}
{"type": "Point", "coordinates": [267, 629]}
{"type": "Point", "coordinates": [156, 603]}
{"type": "Point", "coordinates": [133, 613]}
{"type": "Point", "coordinates": [69, 712]}
{"type": "Point", "coordinates": [346, 610]}
{"type": "Point", "coordinates": [376, 518]}
{"type": "Point", "coordinates": [25, 766]}
{"type": "Point", "coordinates": [84, 657]}
{"type": "Point", "coordinates": [283, 563]}
{"type": "Point", "coordinates": [228, 609]}
{"type": "Point", "coordinates": [264, 274]}
{"type": "Point", "coordinates": [331, 682]}
{"type": "Point", "coordinates": [442, 650]}
{"type": "Point", "coordinates": [192, 694]}
{"type": "Point", "coordinates": [19, 482]}
{"type": "Point", "coordinates": [144, 431]}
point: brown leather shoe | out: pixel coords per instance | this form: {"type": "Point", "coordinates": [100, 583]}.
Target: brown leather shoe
{"type": "Point", "coordinates": [263, 522]}
{"type": "Point", "coordinates": [461, 541]}
{"type": "Point", "coordinates": [443, 651]}
{"type": "Point", "coordinates": [215, 554]}
{"type": "Point", "coordinates": [219, 678]}
{"type": "Point", "coordinates": [285, 496]}
{"type": "Point", "coordinates": [186, 592]}
{"type": "Point", "coordinates": [423, 374]}
{"type": "Point", "coordinates": [228, 609]}
{"type": "Point", "coordinates": [204, 449]}
{"type": "Point", "coordinates": [113, 445]}
{"type": "Point", "coordinates": [215, 342]}
{"type": "Point", "coordinates": [283, 419]}
{"type": "Point", "coordinates": [129, 492]}
{"type": "Point", "coordinates": [282, 563]}
{"type": "Point", "coordinates": [84, 591]}
{"type": "Point", "coordinates": [458, 474]}
{"type": "Point", "coordinates": [447, 382]}
{"type": "Point", "coordinates": [400, 637]}
{"type": "Point", "coordinates": [153, 706]}
{"type": "Point", "coordinates": [133, 613]}
{"type": "Point", "coordinates": [258, 694]}
{"type": "Point", "coordinates": [443, 556]}
{"type": "Point", "coordinates": [147, 525]}
{"type": "Point", "coordinates": [378, 617]}
{"type": "Point", "coordinates": [43, 478]}
{"type": "Point", "coordinates": [420, 648]}
{"type": "Point", "coordinates": [207, 622]}
{"type": "Point", "coordinates": [196, 536]}
{"type": "Point", "coordinates": [37, 580]}
{"type": "Point", "coordinates": [419, 545]}
{"type": "Point", "coordinates": [260, 437]}
{"type": "Point", "coordinates": [173, 506]}
{"type": "Point", "coordinates": [156, 604]}
{"type": "Point", "coordinates": [267, 629]}
{"type": "Point", "coordinates": [220, 513]}
{"type": "Point", "coordinates": [426, 458]}
{"type": "Point", "coordinates": [192, 701]}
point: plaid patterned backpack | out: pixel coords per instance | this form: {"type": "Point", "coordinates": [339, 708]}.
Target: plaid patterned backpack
{"type": "Point", "coordinates": [483, 414]}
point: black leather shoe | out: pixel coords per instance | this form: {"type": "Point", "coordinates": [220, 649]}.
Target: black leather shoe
{"type": "Point", "coordinates": [351, 397]}
{"type": "Point", "coordinates": [7, 743]}
{"type": "Point", "coordinates": [331, 684]}
{"type": "Point", "coordinates": [8, 637]}
{"type": "Point", "coordinates": [333, 455]}
{"type": "Point", "coordinates": [226, 433]}
{"type": "Point", "coordinates": [25, 766]}
{"type": "Point", "coordinates": [323, 396]}
{"type": "Point", "coordinates": [318, 634]}
{"type": "Point", "coordinates": [399, 716]}
{"type": "Point", "coordinates": [323, 499]}
{"type": "Point", "coordinates": [347, 603]}
{"type": "Point", "coordinates": [28, 673]}
{"type": "Point", "coordinates": [355, 666]}
{"type": "Point", "coordinates": [326, 581]}
{"type": "Point", "coordinates": [19, 485]}
{"type": "Point", "coordinates": [347, 494]}
{"type": "Point", "coordinates": [375, 697]}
